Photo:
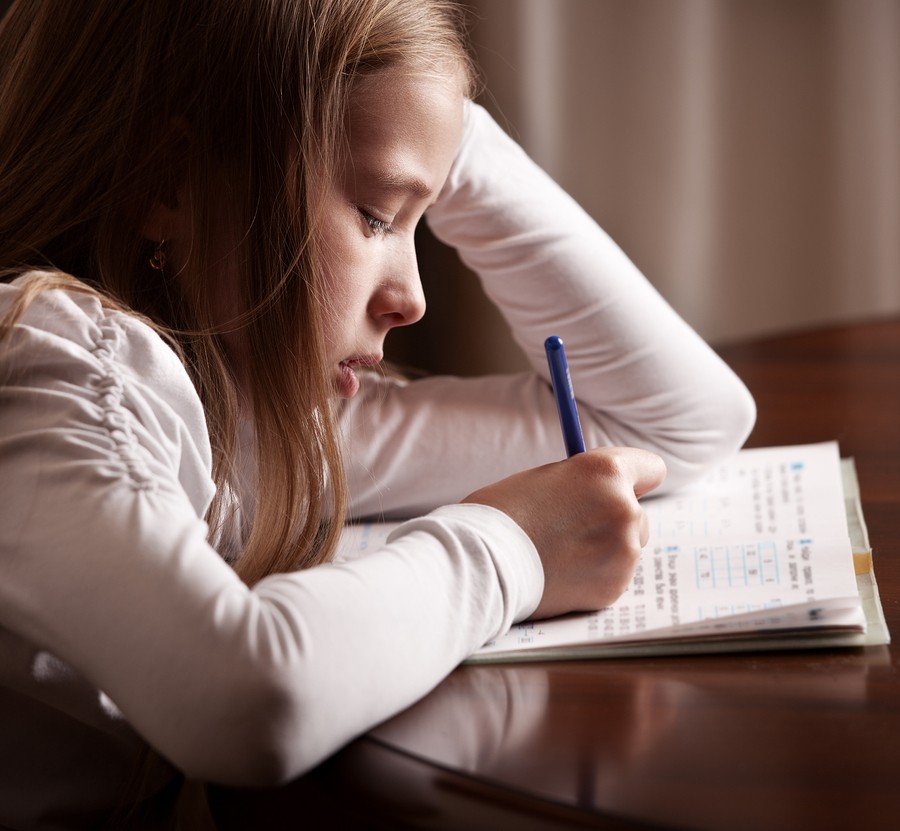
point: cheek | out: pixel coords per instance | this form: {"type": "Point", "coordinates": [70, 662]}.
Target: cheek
{"type": "Point", "coordinates": [347, 284]}
{"type": "Point", "coordinates": [346, 265]}
{"type": "Point", "coordinates": [334, 245]}
{"type": "Point", "coordinates": [346, 250]}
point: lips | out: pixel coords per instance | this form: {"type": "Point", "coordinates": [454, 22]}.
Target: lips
{"type": "Point", "coordinates": [361, 360]}
{"type": "Point", "coordinates": [348, 382]}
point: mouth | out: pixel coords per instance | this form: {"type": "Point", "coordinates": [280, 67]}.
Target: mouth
{"type": "Point", "coordinates": [361, 360]}
{"type": "Point", "coordinates": [348, 382]}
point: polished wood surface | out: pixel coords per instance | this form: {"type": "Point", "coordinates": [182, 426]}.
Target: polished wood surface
{"type": "Point", "coordinates": [799, 740]}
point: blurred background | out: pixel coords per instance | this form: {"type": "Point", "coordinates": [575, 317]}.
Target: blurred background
{"type": "Point", "coordinates": [744, 153]}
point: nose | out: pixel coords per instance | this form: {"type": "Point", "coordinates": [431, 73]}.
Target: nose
{"type": "Point", "coordinates": [399, 299]}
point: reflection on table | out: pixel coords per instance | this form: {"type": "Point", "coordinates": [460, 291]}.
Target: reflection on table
{"type": "Point", "coordinates": [775, 741]}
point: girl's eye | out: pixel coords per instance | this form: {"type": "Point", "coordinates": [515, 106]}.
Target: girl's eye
{"type": "Point", "coordinates": [377, 226]}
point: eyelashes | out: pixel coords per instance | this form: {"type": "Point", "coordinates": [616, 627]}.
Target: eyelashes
{"type": "Point", "coordinates": [377, 226]}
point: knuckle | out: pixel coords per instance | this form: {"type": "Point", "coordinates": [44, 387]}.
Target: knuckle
{"type": "Point", "coordinates": [633, 550]}
{"type": "Point", "coordinates": [605, 463]}
{"type": "Point", "coordinates": [625, 512]}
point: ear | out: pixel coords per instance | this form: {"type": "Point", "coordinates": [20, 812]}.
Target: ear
{"type": "Point", "coordinates": [168, 217]}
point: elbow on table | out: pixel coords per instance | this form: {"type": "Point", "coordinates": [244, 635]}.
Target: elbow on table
{"type": "Point", "coordinates": [738, 419]}
{"type": "Point", "coordinates": [690, 455]}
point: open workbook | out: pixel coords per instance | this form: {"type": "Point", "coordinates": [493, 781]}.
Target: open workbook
{"type": "Point", "coordinates": [768, 551]}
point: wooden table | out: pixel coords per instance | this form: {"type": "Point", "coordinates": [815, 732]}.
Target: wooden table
{"type": "Point", "coordinates": [802, 740]}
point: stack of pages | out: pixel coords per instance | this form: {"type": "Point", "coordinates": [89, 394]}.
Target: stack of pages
{"type": "Point", "coordinates": [769, 551]}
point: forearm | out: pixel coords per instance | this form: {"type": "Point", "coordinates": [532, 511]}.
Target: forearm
{"type": "Point", "coordinates": [254, 686]}
{"type": "Point", "coordinates": [112, 600]}
{"type": "Point", "coordinates": [642, 375]}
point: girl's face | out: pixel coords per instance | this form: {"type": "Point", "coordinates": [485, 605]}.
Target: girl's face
{"type": "Point", "coordinates": [404, 128]}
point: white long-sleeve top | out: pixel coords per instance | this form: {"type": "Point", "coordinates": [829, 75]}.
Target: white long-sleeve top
{"type": "Point", "coordinates": [120, 624]}
{"type": "Point", "coordinates": [643, 377]}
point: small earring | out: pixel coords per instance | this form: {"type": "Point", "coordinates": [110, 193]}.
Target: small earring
{"type": "Point", "coordinates": [158, 258]}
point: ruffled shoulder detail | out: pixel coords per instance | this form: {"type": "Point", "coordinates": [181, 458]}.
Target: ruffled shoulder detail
{"type": "Point", "coordinates": [107, 380]}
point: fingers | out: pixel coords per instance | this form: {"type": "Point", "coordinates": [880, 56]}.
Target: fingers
{"type": "Point", "coordinates": [644, 529]}
{"type": "Point", "coordinates": [641, 471]}
{"type": "Point", "coordinates": [585, 521]}
{"type": "Point", "coordinates": [645, 470]}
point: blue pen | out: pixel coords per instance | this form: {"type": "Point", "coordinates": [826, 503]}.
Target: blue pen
{"type": "Point", "coordinates": [565, 395]}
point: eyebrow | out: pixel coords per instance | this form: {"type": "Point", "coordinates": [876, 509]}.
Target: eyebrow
{"type": "Point", "coordinates": [402, 181]}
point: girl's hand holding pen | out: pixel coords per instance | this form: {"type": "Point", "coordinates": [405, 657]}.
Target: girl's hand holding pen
{"type": "Point", "coordinates": [584, 518]}
{"type": "Point", "coordinates": [582, 515]}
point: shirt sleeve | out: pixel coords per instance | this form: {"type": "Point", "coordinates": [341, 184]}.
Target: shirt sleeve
{"type": "Point", "coordinates": [104, 563]}
{"type": "Point", "coordinates": [642, 376]}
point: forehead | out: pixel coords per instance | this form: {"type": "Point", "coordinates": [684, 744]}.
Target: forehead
{"type": "Point", "coordinates": [406, 122]}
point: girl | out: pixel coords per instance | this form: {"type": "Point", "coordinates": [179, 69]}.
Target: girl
{"type": "Point", "coordinates": [206, 231]}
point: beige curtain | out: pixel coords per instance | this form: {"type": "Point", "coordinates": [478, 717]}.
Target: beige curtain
{"type": "Point", "coordinates": [745, 153]}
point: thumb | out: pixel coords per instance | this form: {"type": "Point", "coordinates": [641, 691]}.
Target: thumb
{"type": "Point", "coordinates": [647, 470]}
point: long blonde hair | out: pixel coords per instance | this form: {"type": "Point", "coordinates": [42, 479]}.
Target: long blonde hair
{"type": "Point", "coordinates": [108, 106]}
